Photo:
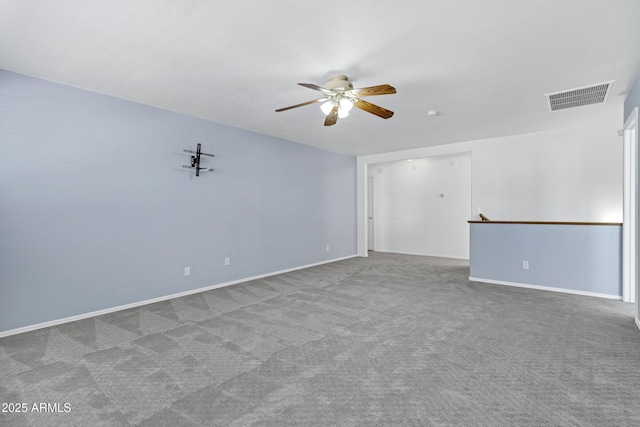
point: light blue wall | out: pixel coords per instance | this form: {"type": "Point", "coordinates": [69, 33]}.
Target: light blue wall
{"type": "Point", "coordinates": [584, 258]}
{"type": "Point", "coordinates": [96, 210]}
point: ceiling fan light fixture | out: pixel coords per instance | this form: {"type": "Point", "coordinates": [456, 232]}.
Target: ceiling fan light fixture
{"type": "Point", "coordinates": [346, 104]}
{"type": "Point", "coordinates": [326, 107]}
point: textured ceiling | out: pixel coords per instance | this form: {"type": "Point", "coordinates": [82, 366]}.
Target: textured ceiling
{"type": "Point", "coordinates": [483, 65]}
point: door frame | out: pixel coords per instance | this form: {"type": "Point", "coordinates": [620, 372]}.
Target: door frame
{"type": "Point", "coordinates": [630, 211]}
{"type": "Point", "coordinates": [370, 214]}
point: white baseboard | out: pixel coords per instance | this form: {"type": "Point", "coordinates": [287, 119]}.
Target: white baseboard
{"type": "Point", "coordinates": [422, 254]}
{"type": "Point", "coordinates": [154, 300]}
{"type": "Point", "coordinates": [545, 288]}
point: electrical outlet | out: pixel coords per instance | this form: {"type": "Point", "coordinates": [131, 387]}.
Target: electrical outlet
{"type": "Point", "coordinates": [327, 248]}
{"type": "Point", "coordinates": [227, 261]}
{"type": "Point", "coordinates": [187, 271]}
{"type": "Point", "coordinates": [525, 265]}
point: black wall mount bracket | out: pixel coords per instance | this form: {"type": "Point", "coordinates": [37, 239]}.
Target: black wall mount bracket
{"type": "Point", "coordinates": [195, 160]}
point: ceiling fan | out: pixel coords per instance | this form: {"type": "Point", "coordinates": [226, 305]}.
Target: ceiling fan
{"type": "Point", "coordinates": [340, 97]}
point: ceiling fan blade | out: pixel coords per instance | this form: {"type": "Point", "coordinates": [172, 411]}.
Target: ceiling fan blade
{"type": "Point", "coordinates": [332, 117]}
{"type": "Point", "coordinates": [375, 90]}
{"type": "Point", "coordinates": [315, 87]}
{"type": "Point", "coordinates": [373, 109]}
{"type": "Point", "coordinates": [301, 105]}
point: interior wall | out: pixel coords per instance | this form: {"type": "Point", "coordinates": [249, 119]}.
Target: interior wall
{"type": "Point", "coordinates": [96, 210]}
{"type": "Point", "coordinates": [560, 175]}
{"type": "Point", "coordinates": [422, 206]}
{"type": "Point", "coordinates": [568, 175]}
{"type": "Point", "coordinates": [582, 259]}
{"type": "Point", "coordinates": [633, 98]}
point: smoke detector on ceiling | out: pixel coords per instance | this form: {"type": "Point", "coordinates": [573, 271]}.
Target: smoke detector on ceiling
{"type": "Point", "coordinates": [580, 96]}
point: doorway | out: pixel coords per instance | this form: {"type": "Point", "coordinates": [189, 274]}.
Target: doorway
{"type": "Point", "coordinates": [630, 214]}
{"type": "Point", "coordinates": [421, 206]}
{"type": "Point", "coordinates": [370, 228]}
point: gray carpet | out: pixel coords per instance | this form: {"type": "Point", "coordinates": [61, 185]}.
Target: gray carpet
{"type": "Point", "coordinates": [385, 340]}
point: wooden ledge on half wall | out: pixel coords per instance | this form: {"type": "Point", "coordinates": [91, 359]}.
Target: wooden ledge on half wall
{"type": "Point", "coordinates": [485, 220]}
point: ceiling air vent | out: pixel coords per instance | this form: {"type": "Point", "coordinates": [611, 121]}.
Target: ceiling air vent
{"type": "Point", "coordinates": [580, 96]}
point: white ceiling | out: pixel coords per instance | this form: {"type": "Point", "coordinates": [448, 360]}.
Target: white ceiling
{"type": "Point", "coordinates": [483, 65]}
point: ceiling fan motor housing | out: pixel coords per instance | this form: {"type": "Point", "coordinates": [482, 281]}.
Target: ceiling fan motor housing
{"type": "Point", "coordinates": [338, 82]}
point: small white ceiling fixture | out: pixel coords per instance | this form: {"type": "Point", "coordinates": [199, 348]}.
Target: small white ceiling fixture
{"type": "Point", "coordinates": [585, 95]}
